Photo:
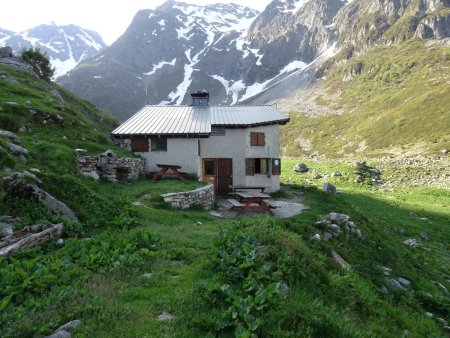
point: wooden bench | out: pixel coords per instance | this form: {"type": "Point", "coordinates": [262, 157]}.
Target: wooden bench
{"type": "Point", "coordinates": [235, 188]}
{"type": "Point", "coordinates": [235, 204]}
{"type": "Point", "coordinates": [270, 204]}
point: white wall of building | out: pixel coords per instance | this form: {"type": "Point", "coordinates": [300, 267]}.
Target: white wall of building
{"type": "Point", "coordinates": [270, 150]}
{"type": "Point", "coordinates": [180, 151]}
{"type": "Point", "coordinates": [236, 145]}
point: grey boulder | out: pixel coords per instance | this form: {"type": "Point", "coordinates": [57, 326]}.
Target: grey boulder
{"type": "Point", "coordinates": [16, 149]}
{"type": "Point", "coordinates": [301, 168]}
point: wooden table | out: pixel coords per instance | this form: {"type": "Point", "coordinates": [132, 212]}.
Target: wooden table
{"type": "Point", "coordinates": [164, 168]}
{"type": "Point", "coordinates": [253, 201]}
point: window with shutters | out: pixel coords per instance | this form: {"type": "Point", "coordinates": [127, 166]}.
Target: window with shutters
{"type": "Point", "coordinates": [139, 144]}
{"type": "Point", "coordinates": [255, 166]}
{"type": "Point", "coordinates": [257, 139]}
{"type": "Point", "coordinates": [158, 144]}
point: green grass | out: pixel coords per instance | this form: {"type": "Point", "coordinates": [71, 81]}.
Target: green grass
{"type": "Point", "coordinates": [98, 276]}
{"type": "Point", "coordinates": [395, 103]}
{"type": "Point", "coordinates": [71, 124]}
{"type": "Point", "coordinates": [323, 300]}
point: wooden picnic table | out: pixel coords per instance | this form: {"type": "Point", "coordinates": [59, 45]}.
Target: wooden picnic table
{"type": "Point", "coordinates": [164, 168]}
{"type": "Point", "coordinates": [252, 201]}
{"type": "Point", "coordinates": [235, 188]}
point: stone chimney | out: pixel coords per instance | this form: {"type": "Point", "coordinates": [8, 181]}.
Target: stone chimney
{"type": "Point", "coordinates": [200, 99]}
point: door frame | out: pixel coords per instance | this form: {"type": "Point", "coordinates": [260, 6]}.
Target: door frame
{"type": "Point", "coordinates": [214, 179]}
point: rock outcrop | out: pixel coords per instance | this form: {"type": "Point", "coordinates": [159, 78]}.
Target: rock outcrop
{"type": "Point", "coordinates": [26, 186]}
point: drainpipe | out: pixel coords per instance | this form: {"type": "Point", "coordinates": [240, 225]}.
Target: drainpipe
{"type": "Point", "coordinates": [270, 162]}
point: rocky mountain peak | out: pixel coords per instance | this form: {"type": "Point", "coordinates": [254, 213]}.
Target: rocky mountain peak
{"type": "Point", "coordinates": [239, 54]}
{"type": "Point", "coordinates": [66, 45]}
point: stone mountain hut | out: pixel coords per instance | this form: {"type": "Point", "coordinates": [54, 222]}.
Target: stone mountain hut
{"type": "Point", "coordinates": [232, 145]}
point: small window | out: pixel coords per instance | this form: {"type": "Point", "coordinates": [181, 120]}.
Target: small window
{"type": "Point", "coordinates": [210, 167]}
{"type": "Point", "coordinates": [139, 144]}
{"type": "Point", "coordinates": [261, 166]}
{"type": "Point", "coordinates": [256, 166]}
{"type": "Point", "coordinates": [257, 139]}
{"type": "Point", "coordinates": [158, 144]}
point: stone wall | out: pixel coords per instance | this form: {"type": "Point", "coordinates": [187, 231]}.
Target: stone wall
{"type": "Point", "coordinates": [110, 167]}
{"type": "Point", "coordinates": [183, 200]}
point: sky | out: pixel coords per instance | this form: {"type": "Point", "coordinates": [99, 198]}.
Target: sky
{"type": "Point", "coordinates": [109, 18]}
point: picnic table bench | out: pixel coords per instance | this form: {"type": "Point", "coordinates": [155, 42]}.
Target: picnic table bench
{"type": "Point", "coordinates": [251, 201]}
{"type": "Point", "coordinates": [164, 172]}
{"type": "Point", "coordinates": [235, 188]}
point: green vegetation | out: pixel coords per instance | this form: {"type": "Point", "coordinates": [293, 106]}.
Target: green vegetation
{"type": "Point", "coordinates": [39, 61]}
{"type": "Point", "coordinates": [227, 283]}
{"type": "Point", "coordinates": [395, 100]}
{"type": "Point", "coordinates": [126, 263]}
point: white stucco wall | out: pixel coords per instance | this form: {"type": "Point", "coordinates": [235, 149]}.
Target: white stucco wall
{"type": "Point", "coordinates": [232, 145]}
{"type": "Point", "coordinates": [180, 151]}
{"type": "Point", "coordinates": [236, 145]}
{"type": "Point", "coordinates": [270, 150]}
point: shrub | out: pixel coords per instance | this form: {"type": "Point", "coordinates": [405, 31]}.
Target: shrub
{"type": "Point", "coordinates": [247, 284]}
{"type": "Point", "coordinates": [39, 61]}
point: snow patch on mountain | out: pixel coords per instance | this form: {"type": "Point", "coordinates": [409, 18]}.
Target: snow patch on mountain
{"type": "Point", "coordinates": [232, 88]}
{"type": "Point", "coordinates": [214, 16]}
{"type": "Point", "coordinates": [289, 6]}
{"type": "Point", "coordinates": [66, 46]}
{"type": "Point", "coordinates": [160, 65]}
{"type": "Point", "coordinates": [89, 40]}
{"type": "Point", "coordinates": [256, 88]}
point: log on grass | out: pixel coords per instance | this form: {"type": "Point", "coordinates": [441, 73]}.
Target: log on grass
{"type": "Point", "coordinates": [29, 240]}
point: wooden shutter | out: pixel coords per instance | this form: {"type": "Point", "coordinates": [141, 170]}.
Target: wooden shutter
{"type": "Point", "coordinates": [257, 139]}
{"type": "Point", "coordinates": [253, 139]}
{"type": "Point", "coordinates": [261, 139]}
{"type": "Point", "coordinates": [139, 144]}
{"type": "Point", "coordinates": [276, 166]}
{"type": "Point", "coordinates": [250, 166]}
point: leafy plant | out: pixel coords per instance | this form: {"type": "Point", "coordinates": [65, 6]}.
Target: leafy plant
{"type": "Point", "coordinates": [247, 284]}
{"type": "Point", "coordinates": [38, 278]}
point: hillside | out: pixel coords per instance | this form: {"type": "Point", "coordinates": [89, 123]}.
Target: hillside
{"type": "Point", "coordinates": [134, 267]}
{"type": "Point", "coordinates": [390, 101]}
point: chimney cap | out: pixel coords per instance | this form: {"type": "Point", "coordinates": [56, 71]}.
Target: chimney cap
{"type": "Point", "coordinates": [200, 94]}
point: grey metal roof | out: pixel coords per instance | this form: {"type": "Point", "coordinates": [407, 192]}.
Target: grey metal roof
{"type": "Point", "coordinates": [246, 115]}
{"type": "Point", "coordinates": [188, 120]}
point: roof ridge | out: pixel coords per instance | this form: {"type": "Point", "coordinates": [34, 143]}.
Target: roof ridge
{"type": "Point", "coordinates": [211, 106]}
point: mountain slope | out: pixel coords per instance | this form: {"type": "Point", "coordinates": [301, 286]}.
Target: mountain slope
{"type": "Point", "coordinates": [66, 45]}
{"type": "Point", "coordinates": [51, 123]}
{"type": "Point", "coordinates": [240, 55]}
{"type": "Point", "coordinates": [389, 101]}
{"type": "Point", "coordinates": [166, 51]}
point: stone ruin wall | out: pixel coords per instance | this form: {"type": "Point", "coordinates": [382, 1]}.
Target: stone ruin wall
{"type": "Point", "coordinates": [203, 196]}
{"type": "Point", "coordinates": [111, 168]}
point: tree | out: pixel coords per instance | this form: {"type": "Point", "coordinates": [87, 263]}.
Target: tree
{"type": "Point", "coordinates": [39, 61]}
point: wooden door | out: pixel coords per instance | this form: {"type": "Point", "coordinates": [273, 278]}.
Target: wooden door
{"type": "Point", "coordinates": [224, 175]}
{"type": "Point", "coordinates": [209, 171]}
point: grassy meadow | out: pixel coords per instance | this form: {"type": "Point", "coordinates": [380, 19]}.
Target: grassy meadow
{"type": "Point", "coordinates": [126, 263]}
{"type": "Point", "coordinates": [394, 100]}
{"type": "Point", "coordinates": [239, 276]}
